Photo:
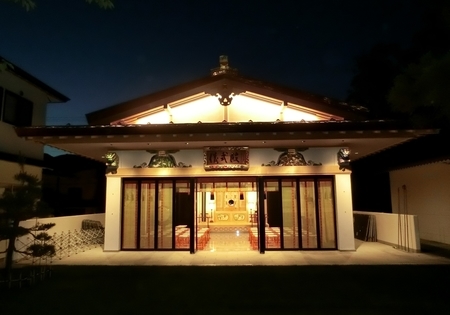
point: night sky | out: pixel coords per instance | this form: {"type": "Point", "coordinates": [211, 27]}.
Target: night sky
{"type": "Point", "coordinates": [99, 58]}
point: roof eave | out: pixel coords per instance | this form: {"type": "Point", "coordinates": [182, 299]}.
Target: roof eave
{"type": "Point", "coordinates": [59, 97]}
{"type": "Point", "coordinates": [325, 127]}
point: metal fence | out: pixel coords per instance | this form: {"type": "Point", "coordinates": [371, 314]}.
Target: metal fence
{"type": "Point", "coordinates": [36, 269]}
{"type": "Point", "coordinates": [66, 244]}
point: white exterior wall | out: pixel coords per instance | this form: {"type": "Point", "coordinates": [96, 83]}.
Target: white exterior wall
{"type": "Point", "coordinates": [326, 156]}
{"type": "Point", "coordinates": [344, 212]}
{"type": "Point", "coordinates": [9, 141]}
{"type": "Point", "coordinates": [113, 213]}
{"type": "Point", "coordinates": [9, 169]}
{"type": "Point", "coordinates": [64, 224]}
{"type": "Point", "coordinates": [426, 193]}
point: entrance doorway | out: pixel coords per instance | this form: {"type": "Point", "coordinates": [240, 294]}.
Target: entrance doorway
{"type": "Point", "coordinates": [229, 213]}
{"type": "Point", "coordinates": [226, 213]}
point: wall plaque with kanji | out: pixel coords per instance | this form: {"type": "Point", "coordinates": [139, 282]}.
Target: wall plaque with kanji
{"type": "Point", "coordinates": [225, 158]}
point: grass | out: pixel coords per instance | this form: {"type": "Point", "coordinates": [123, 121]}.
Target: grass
{"type": "Point", "coordinates": [401, 289]}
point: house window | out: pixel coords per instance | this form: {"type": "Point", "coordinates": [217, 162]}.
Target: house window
{"type": "Point", "coordinates": [16, 110]}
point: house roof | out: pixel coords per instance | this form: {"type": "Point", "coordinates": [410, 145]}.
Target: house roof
{"type": "Point", "coordinates": [116, 128]}
{"type": "Point", "coordinates": [227, 82]}
{"type": "Point", "coordinates": [33, 80]}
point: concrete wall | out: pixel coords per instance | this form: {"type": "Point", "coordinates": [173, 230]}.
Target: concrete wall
{"type": "Point", "coordinates": [424, 191]}
{"type": "Point", "coordinates": [397, 230]}
{"type": "Point", "coordinates": [113, 214]}
{"type": "Point", "coordinates": [344, 212]}
{"type": "Point", "coordinates": [64, 224]}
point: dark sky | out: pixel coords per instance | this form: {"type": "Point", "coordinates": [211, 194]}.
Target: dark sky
{"type": "Point", "coordinates": [99, 58]}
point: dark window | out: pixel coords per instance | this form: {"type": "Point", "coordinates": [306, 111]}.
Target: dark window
{"type": "Point", "coordinates": [17, 110]}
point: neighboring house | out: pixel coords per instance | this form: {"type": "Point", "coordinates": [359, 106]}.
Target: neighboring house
{"type": "Point", "coordinates": [23, 101]}
{"type": "Point", "coordinates": [74, 185]}
{"type": "Point", "coordinates": [227, 153]}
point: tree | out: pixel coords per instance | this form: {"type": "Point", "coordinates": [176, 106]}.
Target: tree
{"type": "Point", "coordinates": [375, 73]}
{"type": "Point", "coordinates": [19, 203]}
{"type": "Point", "coordinates": [31, 4]}
{"type": "Point", "coordinates": [409, 83]}
{"type": "Point", "coordinates": [422, 91]}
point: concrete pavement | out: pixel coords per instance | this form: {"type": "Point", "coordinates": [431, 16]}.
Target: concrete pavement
{"type": "Point", "coordinates": [366, 253]}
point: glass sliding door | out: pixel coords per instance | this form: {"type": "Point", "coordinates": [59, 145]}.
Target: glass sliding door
{"type": "Point", "coordinates": [290, 217]}
{"type": "Point", "coordinates": [165, 206]}
{"type": "Point", "coordinates": [182, 214]}
{"type": "Point", "coordinates": [326, 213]}
{"type": "Point", "coordinates": [308, 214]}
{"type": "Point", "coordinates": [274, 213]}
{"type": "Point", "coordinates": [130, 215]}
{"type": "Point", "coordinates": [147, 217]}
{"type": "Point", "coordinates": [299, 213]}
{"type": "Point", "coordinates": [152, 209]}
{"type": "Point", "coordinates": [169, 214]}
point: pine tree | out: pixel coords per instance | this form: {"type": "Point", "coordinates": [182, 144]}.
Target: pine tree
{"type": "Point", "coordinates": [22, 202]}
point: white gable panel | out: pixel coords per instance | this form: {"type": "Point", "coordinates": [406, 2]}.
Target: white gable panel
{"type": "Point", "coordinates": [161, 117]}
{"type": "Point", "coordinates": [207, 109]}
{"type": "Point", "coordinates": [290, 114]}
{"type": "Point", "coordinates": [242, 109]}
{"type": "Point", "coordinates": [245, 108]}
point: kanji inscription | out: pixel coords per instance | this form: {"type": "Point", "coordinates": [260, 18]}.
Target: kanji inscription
{"type": "Point", "coordinates": [226, 158]}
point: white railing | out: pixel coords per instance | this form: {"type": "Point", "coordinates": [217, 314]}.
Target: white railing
{"type": "Point", "coordinates": [399, 230]}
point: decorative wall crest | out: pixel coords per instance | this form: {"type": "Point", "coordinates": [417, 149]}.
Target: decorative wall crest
{"type": "Point", "coordinates": [343, 158]}
{"type": "Point", "coordinates": [112, 162]}
{"type": "Point", "coordinates": [291, 157]}
{"type": "Point", "coordinates": [162, 159]}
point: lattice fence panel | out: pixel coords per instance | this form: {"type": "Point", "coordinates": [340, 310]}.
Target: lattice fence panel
{"type": "Point", "coordinates": [66, 244]}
